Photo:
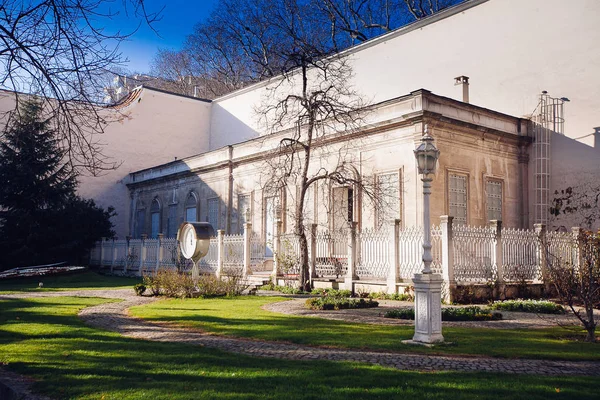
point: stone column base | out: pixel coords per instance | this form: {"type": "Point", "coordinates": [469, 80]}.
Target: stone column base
{"type": "Point", "coordinates": [428, 308]}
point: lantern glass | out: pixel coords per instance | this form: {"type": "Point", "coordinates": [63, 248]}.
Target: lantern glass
{"type": "Point", "coordinates": [427, 155]}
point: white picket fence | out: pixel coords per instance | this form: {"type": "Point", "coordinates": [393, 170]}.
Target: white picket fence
{"type": "Point", "coordinates": [461, 254]}
{"type": "Point", "coordinates": [227, 255]}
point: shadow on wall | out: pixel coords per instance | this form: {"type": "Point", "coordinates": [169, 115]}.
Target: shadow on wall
{"type": "Point", "coordinates": [161, 205]}
{"type": "Point", "coordinates": [228, 129]}
{"type": "Point", "coordinates": [575, 186]}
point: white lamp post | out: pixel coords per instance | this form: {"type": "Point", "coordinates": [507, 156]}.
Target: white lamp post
{"type": "Point", "coordinates": [428, 286]}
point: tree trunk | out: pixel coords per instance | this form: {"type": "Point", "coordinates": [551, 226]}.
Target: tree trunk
{"type": "Point", "coordinates": [304, 275]}
{"type": "Point", "coordinates": [591, 334]}
{"type": "Point", "coordinates": [590, 326]}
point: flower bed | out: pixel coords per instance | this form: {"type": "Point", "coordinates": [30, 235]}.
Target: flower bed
{"type": "Point", "coordinates": [451, 314]}
{"type": "Point", "coordinates": [338, 303]}
{"type": "Point", "coordinates": [528, 306]}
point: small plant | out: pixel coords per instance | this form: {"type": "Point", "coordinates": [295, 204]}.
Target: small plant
{"type": "Point", "coordinates": [287, 289]}
{"type": "Point", "coordinates": [337, 303]}
{"type": "Point", "coordinates": [153, 284]}
{"type": "Point", "coordinates": [139, 289]}
{"type": "Point", "coordinates": [335, 293]}
{"type": "Point", "coordinates": [450, 314]}
{"type": "Point", "coordinates": [391, 296]}
{"type": "Point", "coordinates": [529, 306]}
{"type": "Point", "coordinates": [170, 283]}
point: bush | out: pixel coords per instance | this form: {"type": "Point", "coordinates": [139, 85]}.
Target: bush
{"type": "Point", "coordinates": [450, 314]}
{"type": "Point", "coordinates": [170, 283]}
{"type": "Point", "coordinates": [391, 296]}
{"type": "Point", "coordinates": [211, 286]}
{"type": "Point", "coordinates": [139, 289]}
{"type": "Point", "coordinates": [528, 306]}
{"type": "Point", "coordinates": [335, 293]}
{"type": "Point", "coordinates": [282, 289]}
{"type": "Point", "coordinates": [337, 303]}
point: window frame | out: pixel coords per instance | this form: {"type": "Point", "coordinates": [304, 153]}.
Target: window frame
{"type": "Point", "coordinates": [491, 179]}
{"type": "Point", "coordinates": [378, 222]}
{"type": "Point", "coordinates": [208, 202]}
{"type": "Point", "coordinates": [467, 177]}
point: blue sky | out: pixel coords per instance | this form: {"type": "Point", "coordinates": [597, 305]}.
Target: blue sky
{"type": "Point", "coordinates": [178, 20]}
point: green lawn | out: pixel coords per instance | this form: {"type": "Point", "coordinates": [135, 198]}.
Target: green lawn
{"type": "Point", "coordinates": [244, 317]}
{"type": "Point", "coordinates": [86, 280]}
{"type": "Point", "coordinates": [43, 338]}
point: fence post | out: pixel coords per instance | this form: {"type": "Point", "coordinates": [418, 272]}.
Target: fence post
{"type": "Point", "coordinates": [113, 255]}
{"type": "Point", "coordinates": [142, 254]}
{"type": "Point", "coordinates": [540, 230]}
{"type": "Point", "coordinates": [576, 248]}
{"type": "Point", "coordinates": [102, 252]}
{"type": "Point", "coordinates": [247, 248]}
{"type": "Point", "coordinates": [127, 254]}
{"type": "Point", "coordinates": [447, 257]}
{"type": "Point", "coordinates": [496, 225]}
{"type": "Point", "coordinates": [351, 273]}
{"type": "Point", "coordinates": [313, 252]}
{"type": "Point", "coordinates": [276, 247]}
{"type": "Point", "coordinates": [394, 272]}
{"type": "Point", "coordinates": [159, 251]}
{"type": "Point", "coordinates": [220, 252]}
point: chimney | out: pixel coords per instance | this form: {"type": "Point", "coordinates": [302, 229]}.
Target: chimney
{"type": "Point", "coordinates": [464, 81]}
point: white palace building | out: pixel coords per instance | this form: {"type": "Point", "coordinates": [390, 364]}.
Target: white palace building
{"type": "Point", "coordinates": [490, 79]}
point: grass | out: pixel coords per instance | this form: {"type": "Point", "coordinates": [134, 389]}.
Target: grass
{"type": "Point", "coordinates": [43, 338]}
{"type": "Point", "coordinates": [86, 280]}
{"type": "Point", "coordinates": [243, 317]}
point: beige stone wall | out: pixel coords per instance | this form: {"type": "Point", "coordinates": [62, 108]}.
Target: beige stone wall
{"type": "Point", "coordinates": [488, 149]}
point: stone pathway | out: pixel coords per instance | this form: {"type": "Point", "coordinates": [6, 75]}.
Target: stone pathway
{"type": "Point", "coordinates": [114, 317]}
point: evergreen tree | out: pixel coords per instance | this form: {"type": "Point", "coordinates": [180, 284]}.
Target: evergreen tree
{"type": "Point", "coordinates": [42, 219]}
{"type": "Point", "coordinates": [31, 165]}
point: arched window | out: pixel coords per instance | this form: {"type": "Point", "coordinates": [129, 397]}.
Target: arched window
{"type": "Point", "coordinates": [191, 207]}
{"type": "Point", "coordinates": [155, 218]}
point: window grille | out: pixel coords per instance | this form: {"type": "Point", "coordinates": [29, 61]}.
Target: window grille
{"type": "Point", "coordinates": [140, 223]}
{"type": "Point", "coordinates": [457, 197]}
{"type": "Point", "coordinates": [494, 200]}
{"type": "Point", "coordinates": [388, 189]}
{"type": "Point", "coordinates": [213, 213]}
{"type": "Point", "coordinates": [154, 219]}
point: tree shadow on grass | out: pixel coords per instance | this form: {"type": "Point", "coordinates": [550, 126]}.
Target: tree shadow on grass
{"type": "Point", "coordinates": [70, 360]}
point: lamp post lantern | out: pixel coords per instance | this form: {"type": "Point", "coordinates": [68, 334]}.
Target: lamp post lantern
{"type": "Point", "coordinates": [428, 286]}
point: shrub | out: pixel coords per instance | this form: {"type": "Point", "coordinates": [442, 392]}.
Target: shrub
{"type": "Point", "coordinates": [335, 293]}
{"type": "Point", "coordinates": [337, 303]}
{"type": "Point", "coordinates": [282, 289]}
{"type": "Point", "coordinates": [391, 296]}
{"type": "Point", "coordinates": [153, 284]}
{"type": "Point", "coordinates": [211, 286]}
{"type": "Point", "coordinates": [529, 306]}
{"type": "Point", "coordinates": [170, 283]}
{"type": "Point", "coordinates": [450, 314]}
{"type": "Point", "coordinates": [139, 289]}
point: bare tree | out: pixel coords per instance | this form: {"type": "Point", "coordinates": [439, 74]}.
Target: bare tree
{"type": "Point", "coordinates": [240, 43]}
{"type": "Point", "coordinates": [60, 51]}
{"type": "Point", "coordinates": [577, 282]}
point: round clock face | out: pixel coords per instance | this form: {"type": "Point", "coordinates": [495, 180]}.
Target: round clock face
{"type": "Point", "coordinates": [187, 242]}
